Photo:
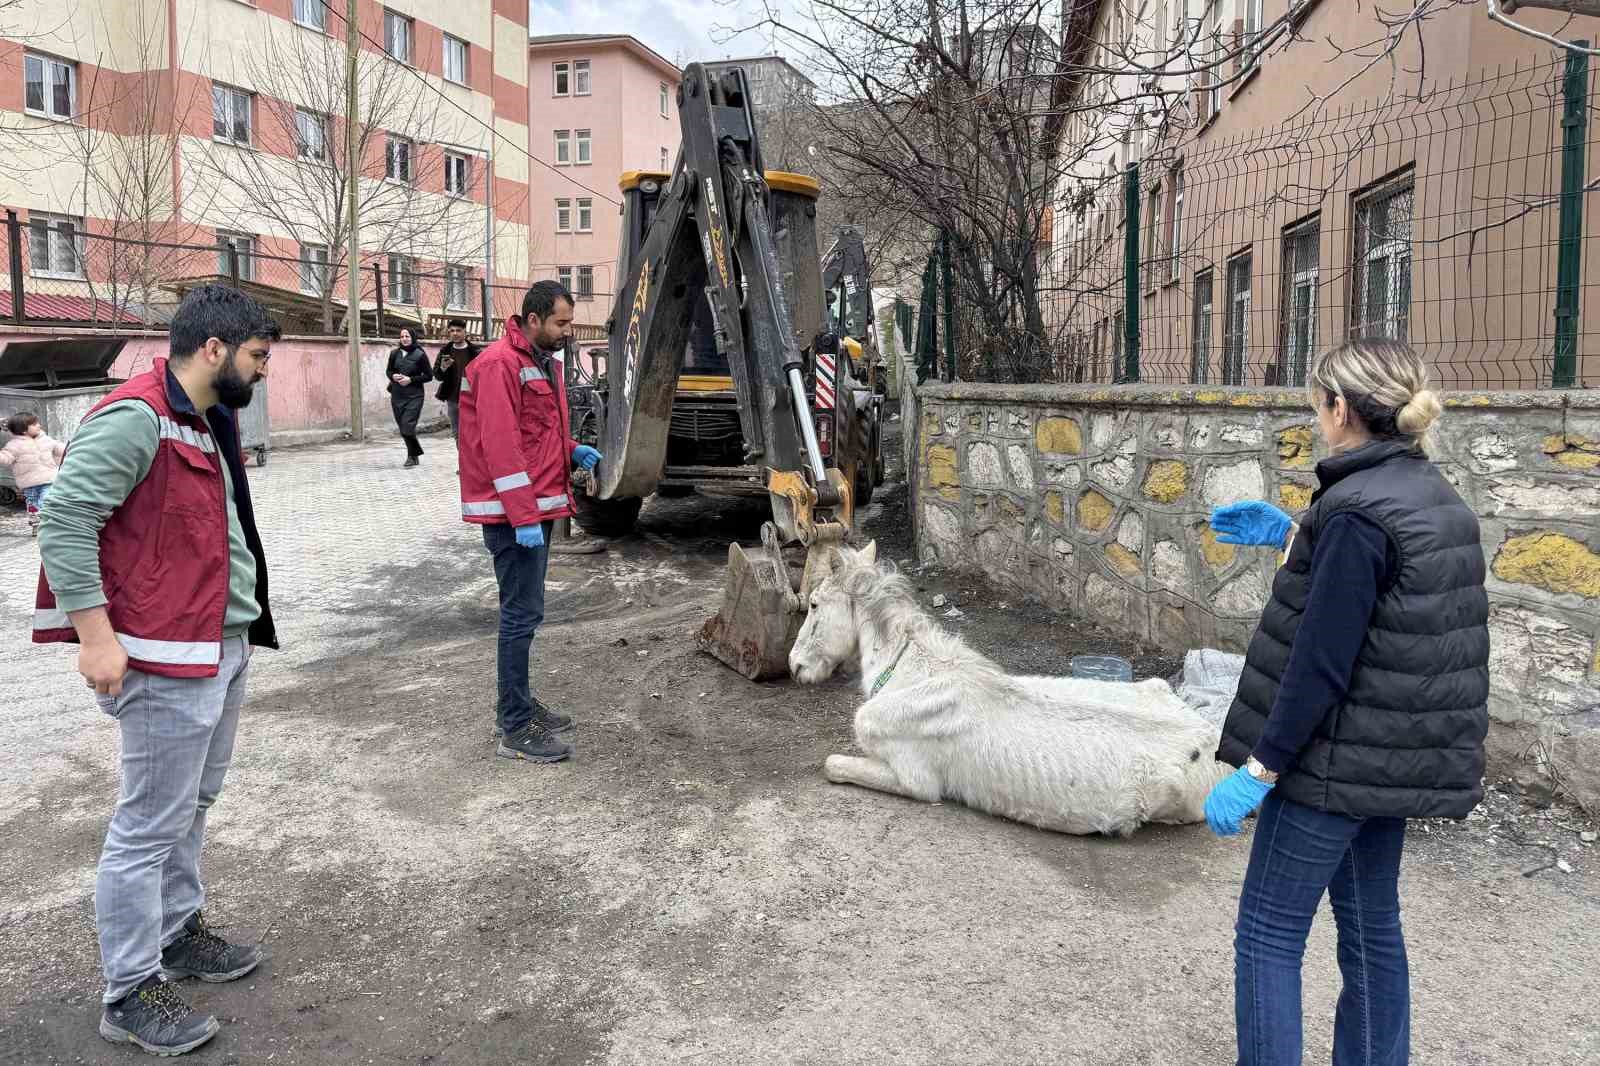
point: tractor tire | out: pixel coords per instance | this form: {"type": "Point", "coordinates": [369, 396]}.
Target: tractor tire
{"type": "Point", "coordinates": [864, 484]}
{"type": "Point", "coordinates": [606, 518]}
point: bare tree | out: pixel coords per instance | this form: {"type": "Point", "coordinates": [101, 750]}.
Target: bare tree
{"type": "Point", "coordinates": [987, 120]}
{"type": "Point", "coordinates": [403, 129]}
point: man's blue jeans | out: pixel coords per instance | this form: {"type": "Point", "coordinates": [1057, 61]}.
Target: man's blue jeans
{"type": "Point", "coordinates": [1298, 854]}
{"type": "Point", "coordinates": [520, 573]}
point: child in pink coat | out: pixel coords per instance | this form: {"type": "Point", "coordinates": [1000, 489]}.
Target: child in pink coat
{"type": "Point", "coordinates": [34, 460]}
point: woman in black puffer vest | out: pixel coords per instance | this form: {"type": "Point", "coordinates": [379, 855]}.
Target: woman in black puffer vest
{"type": "Point", "coordinates": [1364, 702]}
{"type": "Point", "coordinates": [408, 372]}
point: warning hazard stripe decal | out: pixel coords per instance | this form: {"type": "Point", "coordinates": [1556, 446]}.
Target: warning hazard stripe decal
{"type": "Point", "coordinates": [824, 380]}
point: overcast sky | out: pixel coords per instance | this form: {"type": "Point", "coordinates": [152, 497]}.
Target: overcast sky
{"type": "Point", "coordinates": [681, 30]}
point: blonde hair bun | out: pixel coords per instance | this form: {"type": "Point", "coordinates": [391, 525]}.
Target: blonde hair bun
{"type": "Point", "coordinates": [1422, 411]}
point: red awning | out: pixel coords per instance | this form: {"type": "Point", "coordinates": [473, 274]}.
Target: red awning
{"type": "Point", "coordinates": [45, 307]}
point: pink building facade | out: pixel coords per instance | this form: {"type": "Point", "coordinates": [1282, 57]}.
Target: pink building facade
{"type": "Point", "coordinates": [599, 105]}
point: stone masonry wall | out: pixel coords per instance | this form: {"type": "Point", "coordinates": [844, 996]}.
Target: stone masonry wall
{"type": "Point", "coordinates": [1095, 501]}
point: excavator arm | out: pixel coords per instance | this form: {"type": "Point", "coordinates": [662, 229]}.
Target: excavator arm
{"type": "Point", "coordinates": [712, 237]}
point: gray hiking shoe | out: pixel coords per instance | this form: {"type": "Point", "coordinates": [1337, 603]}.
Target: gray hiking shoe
{"type": "Point", "coordinates": [155, 1017]}
{"type": "Point", "coordinates": [553, 721]}
{"type": "Point", "coordinates": [198, 952]}
{"type": "Point", "coordinates": [534, 743]}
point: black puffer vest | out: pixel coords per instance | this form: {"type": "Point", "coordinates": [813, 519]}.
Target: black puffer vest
{"type": "Point", "coordinates": [1408, 739]}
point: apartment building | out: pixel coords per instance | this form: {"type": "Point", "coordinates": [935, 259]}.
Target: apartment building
{"type": "Point", "coordinates": [220, 125]}
{"type": "Point", "coordinates": [603, 105]}
{"type": "Point", "coordinates": [1301, 182]}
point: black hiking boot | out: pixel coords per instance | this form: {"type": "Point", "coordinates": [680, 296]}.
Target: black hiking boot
{"type": "Point", "coordinates": [198, 952]}
{"type": "Point", "coordinates": [411, 460]}
{"type": "Point", "coordinates": [554, 721]}
{"type": "Point", "coordinates": [533, 743]}
{"type": "Point", "coordinates": [156, 1017]}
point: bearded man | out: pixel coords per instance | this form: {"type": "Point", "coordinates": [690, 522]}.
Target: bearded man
{"type": "Point", "coordinates": [152, 565]}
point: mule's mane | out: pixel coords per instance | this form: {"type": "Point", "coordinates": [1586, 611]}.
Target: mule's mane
{"type": "Point", "coordinates": [884, 600]}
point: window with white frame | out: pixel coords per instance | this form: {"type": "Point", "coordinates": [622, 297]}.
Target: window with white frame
{"type": "Point", "coordinates": [402, 279]}
{"type": "Point", "coordinates": [315, 273]}
{"type": "Point", "coordinates": [50, 86]}
{"type": "Point", "coordinates": [1215, 50]}
{"type": "Point", "coordinates": [564, 276]}
{"type": "Point", "coordinates": [1175, 233]}
{"type": "Point", "coordinates": [310, 136]}
{"type": "Point", "coordinates": [563, 147]}
{"type": "Point", "coordinates": [312, 14]}
{"type": "Point", "coordinates": [1200, 330]}
{"type": "Point", "coordinates": [581, 155]}
{"type": "Point", "coordinates": [1253, 25]}
{"type": "Point", "coordinates": [1302, 247]}
{"type": "Point", "coordinates": [1382, 269]}
{"type": "Point", "coordinates": [1236, 320]}
{"type": "Point", "coordinates": [580, 77]}
{"type": "Point", "coordinates": [242, 258]}
{"type": "Point", "coordinates": [457, 173]}
{"type": "Point", "coordinates": [55, 246]}
{"type": "Point", "coordinates": [397, 159]}
{"type": "Point", "coordinates": [666, 161]}
{"type": "Point", "coordinates": [398, 34]}
{"type": "Point", "coordinates": [562, 73]}
{"type": "Point", "coordinates": [1152, 235]}
{"type": "Point", "coordinates": [457, 285]}
{"type": "Point", "coordinates": [455, 59]}
{"type": "Point", "coordinates": [661, 89]}
{"type": "Point", "coordinates": [585, 214]}
{"type": "Point", "coordinates": [231, 119]}
{"type": "Point", "coordinates": [585, 289]}
{"type": "Point", "coordinates": [563, 215]}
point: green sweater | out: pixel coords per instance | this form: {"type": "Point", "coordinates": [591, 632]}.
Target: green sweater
{"type": "Point", "coordinates": [110, 454]}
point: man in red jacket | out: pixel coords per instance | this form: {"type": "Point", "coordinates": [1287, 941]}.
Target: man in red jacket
{"type": "Point", "coordinates": [153, 566]}
{"type": "Point", "coordinates": [517, 455]}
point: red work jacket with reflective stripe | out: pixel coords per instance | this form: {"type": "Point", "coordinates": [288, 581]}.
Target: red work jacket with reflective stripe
{"type": "Point", "coordinates": [516, 445]}
{"type": "Point", "coordinates": [164, 551]}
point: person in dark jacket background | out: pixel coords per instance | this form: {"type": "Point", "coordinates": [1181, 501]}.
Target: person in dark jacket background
{"type": "Point", "coordinates": [1363, 702]}
{"type": "Point", "coordinates": [408, 372]}
{"type": "Point", "coordinates": [449, 364]}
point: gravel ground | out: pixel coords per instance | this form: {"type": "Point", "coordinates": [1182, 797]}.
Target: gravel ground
{"type": "Point", "coordinates": [688, 889]}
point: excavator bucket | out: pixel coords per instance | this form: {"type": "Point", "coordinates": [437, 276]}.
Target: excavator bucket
{"type": "Point", "coordinates": [760, 616]}
{"type": "Point", "coordinates": [763, 606]}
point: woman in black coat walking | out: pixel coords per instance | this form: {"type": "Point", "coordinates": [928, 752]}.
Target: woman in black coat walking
{"type": "Point", "coordinates": [408, 372]}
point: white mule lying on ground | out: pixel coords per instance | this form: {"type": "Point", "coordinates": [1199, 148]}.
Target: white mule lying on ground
{"type": "Point", "coordinates": [942, 721]}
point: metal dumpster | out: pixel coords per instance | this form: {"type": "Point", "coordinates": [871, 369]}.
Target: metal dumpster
{"type": "Point", "coordinates": [57, 379]}
{"type": "Point", "coordinates": [254, 430]}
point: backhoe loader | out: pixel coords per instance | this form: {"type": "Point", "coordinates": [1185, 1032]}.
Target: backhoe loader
{"type": "Point", "coordinates": [720, 376]}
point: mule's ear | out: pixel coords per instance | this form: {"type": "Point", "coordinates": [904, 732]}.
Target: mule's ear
{"type": "Point", "coordinates": [869, 554]}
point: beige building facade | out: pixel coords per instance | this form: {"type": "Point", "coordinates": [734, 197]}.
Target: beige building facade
{"type": "Point", "coordinates": [1300, 183]}
{"type": "Point", "coordinates": [221, 124]}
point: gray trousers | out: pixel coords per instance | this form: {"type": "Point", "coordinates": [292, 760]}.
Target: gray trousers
{"type": "Point", "coordinates": [177, 742]}
{"type": "Point", "coordinates": [453, 409]}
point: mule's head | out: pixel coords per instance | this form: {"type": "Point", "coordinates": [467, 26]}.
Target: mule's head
{"type": "Point", "coordinates": [830, 635]}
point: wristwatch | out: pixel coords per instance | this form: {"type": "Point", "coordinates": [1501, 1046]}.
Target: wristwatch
{"type": "Point", "coordinates": [1254, 768]}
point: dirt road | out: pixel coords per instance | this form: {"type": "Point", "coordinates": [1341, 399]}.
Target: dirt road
{"type": "Point", "coordinates": [688, 889]}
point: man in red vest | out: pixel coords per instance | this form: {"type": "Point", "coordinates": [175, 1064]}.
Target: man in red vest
{"type": "Point", "coordinates": [517, 455]}
{"type": "Point", "coordinates": [153, 566]}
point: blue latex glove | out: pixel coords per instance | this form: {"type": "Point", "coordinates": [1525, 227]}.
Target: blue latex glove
{"type": "Point", "coordinates": [530, 536]}
{"type": "Point", "coordinates": [1251, 522]}
{"type": "Point", "coordinates": [586, 456]}
{"type": "Point", "coordinates": [1233, 798]}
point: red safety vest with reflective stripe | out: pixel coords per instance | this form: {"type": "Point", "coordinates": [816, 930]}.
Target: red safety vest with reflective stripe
{"type": "Point", "coordinates": [164, 551]}
{"type": "Point", "coordinates": [516, 442]}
